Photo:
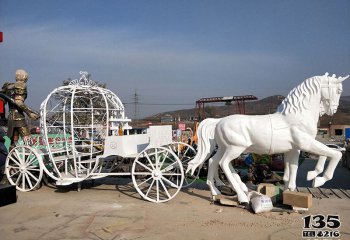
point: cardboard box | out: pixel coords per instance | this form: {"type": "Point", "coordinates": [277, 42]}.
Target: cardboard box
{"type": "Point", "coordinates": [274, 192]}
{"type": "Point", "coordinates": [297, 199]}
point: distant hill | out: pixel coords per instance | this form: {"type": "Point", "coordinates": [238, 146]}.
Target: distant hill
{"type": "Point", "coordinates": [259, 107]}
{"type": "Point", "coordinates": [341, 117]}
{"type": "Point", "coordinates": [345, 99]}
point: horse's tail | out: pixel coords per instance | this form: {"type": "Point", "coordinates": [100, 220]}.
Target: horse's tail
{"type": "Point", "coordinates": [206, 143]}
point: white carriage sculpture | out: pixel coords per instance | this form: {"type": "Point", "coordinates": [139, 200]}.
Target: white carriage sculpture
{"type": "Point", "coordinates": [85, 135]}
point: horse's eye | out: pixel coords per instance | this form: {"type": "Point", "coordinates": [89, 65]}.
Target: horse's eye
{"type": "Point", "coordinates": [340, 91]}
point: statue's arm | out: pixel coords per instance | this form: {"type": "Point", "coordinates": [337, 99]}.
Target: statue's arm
{"type": "Point", "coordinates": [20, 105]}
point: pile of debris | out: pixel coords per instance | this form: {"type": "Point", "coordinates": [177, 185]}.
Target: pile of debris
{"type": "Point", "coordinates": [268, 197]}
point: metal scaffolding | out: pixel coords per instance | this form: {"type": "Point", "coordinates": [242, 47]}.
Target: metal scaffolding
{"type": "Point", "coordinates": [239, 100]}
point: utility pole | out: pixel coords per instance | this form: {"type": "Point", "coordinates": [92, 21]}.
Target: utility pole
{"type": "Point", "coordinates": [136, 105]}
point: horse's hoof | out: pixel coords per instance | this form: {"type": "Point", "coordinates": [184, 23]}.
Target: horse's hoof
{"type": "Point", "coordinates": [242, 198]}
{"type": "Point", "coordinates": [319, 181]}
{"type": "Point", "coordinates": [311, 175]}
{"type": "Point", "coordinates": [245, 205]}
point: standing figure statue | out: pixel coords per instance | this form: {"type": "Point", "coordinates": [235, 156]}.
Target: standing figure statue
{"type": "Point", "coordinates": [15, 94]}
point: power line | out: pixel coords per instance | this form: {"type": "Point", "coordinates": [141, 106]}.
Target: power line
{"type": "Point", "coordinates": [165, 104]}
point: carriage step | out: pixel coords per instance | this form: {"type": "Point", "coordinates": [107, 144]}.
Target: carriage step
{"type": "Point", "coordinates": [64, 182]}
{"type": "Point", "coordinates": [69, 178]}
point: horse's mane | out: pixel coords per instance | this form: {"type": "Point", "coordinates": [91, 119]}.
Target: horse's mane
{"type": "Point", "coordinates": [299, 98]}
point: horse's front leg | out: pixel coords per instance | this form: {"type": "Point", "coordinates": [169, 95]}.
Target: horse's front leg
{"type": "Point", "coordinates": [328, 174]}
{"type": "Point", "coordinates": [309, 144]}
{"type": "Point", "coordinates": [318, 169]}
{"type": "Point", "coordinates": [286, 173]}
{"type": "Point", "coordinates": [291, 158]}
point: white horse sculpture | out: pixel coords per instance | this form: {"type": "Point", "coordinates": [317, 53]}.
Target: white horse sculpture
{"type": "Point", "coordinates": [291, 129]}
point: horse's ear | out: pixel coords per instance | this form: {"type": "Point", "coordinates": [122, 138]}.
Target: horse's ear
{"type": "Point", "coordinates": [326, 74]}
{"type": "Point", "coordinates": [340, 79]}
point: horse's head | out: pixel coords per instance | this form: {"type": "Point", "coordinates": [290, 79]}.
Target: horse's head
{"type": "Point", "coordinates": [331, 89]}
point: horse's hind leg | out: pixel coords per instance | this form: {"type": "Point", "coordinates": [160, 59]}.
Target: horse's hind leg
{"type": "Point", "coordinates": [212, 171]}
{"type": "Point", "coordinates": [318, 169]}
{"type": "Point", "coordinates": [238, 178]}
{"type": "Point", "coordinates": [217, 179]}
{"type": "Point", "coordinates": [232, 152]}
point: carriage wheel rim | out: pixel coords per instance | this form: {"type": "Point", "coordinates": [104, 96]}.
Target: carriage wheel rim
{"type": "Point", "coordinates": [23, 169]}
{"type": "Point", "coordinates": [162, 181]}
{"type": "Point", "coordinates": [189, 178]}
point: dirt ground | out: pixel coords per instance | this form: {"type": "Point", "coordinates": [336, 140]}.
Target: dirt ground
{"type": "Point", "coordinates": [110, 211]}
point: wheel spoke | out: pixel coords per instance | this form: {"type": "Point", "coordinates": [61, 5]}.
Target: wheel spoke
{"type": "Point", "coordinates": [183, 155]}
{"type": "Point", "coordinates": [28, 180]}
{"type": "Point", "coordinates": [23, 181]}
{"type": "Point", "coordinates": [149, 160]}
{"type": "Point", "coordinates": [170, 183]}
{"type": "Point", "coordinates": [170, 167]}
{"type": "Point", "coordinates": [15, 167]}
{"type": "Point", "coordinates": [33, 168]}
{"type": "Point", "coordinates": [17, 155]}
{"type": "Point", "coordinates": [144, 181]}
{"type": "Point", "coordinates": [177, 180]}
{"type": "Point", "coordinates": [165, 157]}
{"type": "Point", "coordinates": [26, 156]}
{"type": "Point", "coordinates": [157, 159]}
{"type": "Point", "coordinates": [149, 189]}
{"type": "Point", "coordinates": [177, 147]}
{"type": "Point", "coordinates": [186, 182]}
{"type": "Point", "coordinates": [143, 165]}
{"type": "Point", "coordinates": [35, 178]}
{"type": "Point", "coordinates": [14, 174]}
{"type": "Point", "coordinates": [31, 160]}
{"type": "Point", "coordinates": [166, 190]}
{"type": "Point", "coordinates": [186, 161]}
{"type": "Point", "coordinates": [19, 177]}
{"type": "Point", "coordinates": [14, 160]}
{"type": "Point", "coordinates": [171, 174]}
{"type": "Point", "coordinates": [157, 186]}
{"type": "Point", "coordinates": [143, 173]}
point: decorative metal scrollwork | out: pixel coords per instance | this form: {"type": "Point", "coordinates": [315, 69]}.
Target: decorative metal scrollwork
{"type": "Point", "coordinates": [83, 80]}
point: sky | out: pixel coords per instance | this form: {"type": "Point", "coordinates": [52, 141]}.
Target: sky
{"type": "Point", "coordinates": [173, 53]}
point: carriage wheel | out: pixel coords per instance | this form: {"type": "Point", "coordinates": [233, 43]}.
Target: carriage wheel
{"type": "Point", "coordinates": [23, 169]}
{"type": "Point", "coordinates": [157, 174]}
{"type": "Point", "coordinates": [185, 153]}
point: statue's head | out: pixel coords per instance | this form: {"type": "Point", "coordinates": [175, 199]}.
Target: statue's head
{"type": "Point", "coordinates": [21, 75]}
{"type": "Point", "coordinates": [331, 89]}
